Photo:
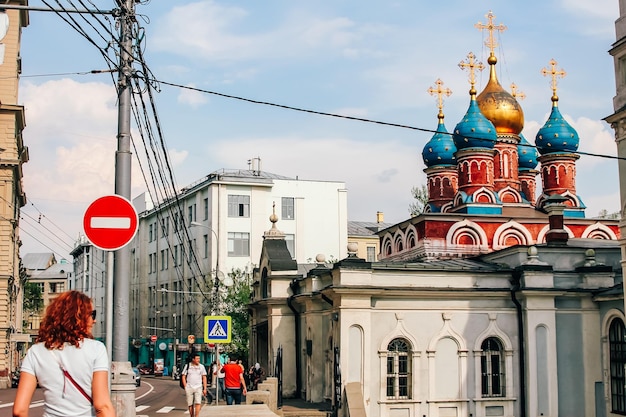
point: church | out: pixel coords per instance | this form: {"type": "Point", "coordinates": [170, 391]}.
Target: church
{"type": "Point", "coordinates": [498, 300]}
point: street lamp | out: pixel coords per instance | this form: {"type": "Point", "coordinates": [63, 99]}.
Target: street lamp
{"type": "Point", "coordinates": [219, 275]}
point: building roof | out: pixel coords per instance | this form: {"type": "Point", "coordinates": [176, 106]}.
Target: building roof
{"type": "Point", "coordinates": [38, 261]}
{"type": "Point", "coordinates": [356, 228]}
{"type": "Point", "coordinates": [58, 270]}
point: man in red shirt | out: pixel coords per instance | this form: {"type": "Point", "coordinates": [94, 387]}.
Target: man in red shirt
{"type": "Point", "coordinates": [233, 381]}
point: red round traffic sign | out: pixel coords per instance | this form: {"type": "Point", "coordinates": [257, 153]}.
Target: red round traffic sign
{"type": "Point", "coordinates": [110, 222]}
{"type": "Point", "coordinates": [153, 338]}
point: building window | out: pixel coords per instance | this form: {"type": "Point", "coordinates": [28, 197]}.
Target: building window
{"type": "Point", "coordinates": [56, 287]}
{"type": "Point", "coordinates": [206, 246]}
{"type": "Point", "coordinates": [399, 370]}
{"type": "Point", "coordinates": [371, 254]}
{"type": "Point", "coordinates": [191, 213]}
{"type": "Point", "coordinates": [40, 286]}
{"type": "Point", "coordinates": [150, 232]}
{"type": "Point", "coordinates": [492, 368]}
{"type": "Point", "coordinates": [617, 346]}
{"type": "Point", "coordinates": [238, 206]}
{"type": "Point", "coordinates": [206, 209]}
{"type": "Point", "coordinates": [238, 244]}
{"type": "Point", "coordinates": [165, 226]}
{"type": "Point", "coordinates": [287, 208]}
{"type": "Point", "coordinates": [164, 259]}
{"type": "Point", "coordinates": [290, 240]}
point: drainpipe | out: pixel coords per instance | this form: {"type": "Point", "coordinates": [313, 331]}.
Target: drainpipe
{"type": "Point", "coordinates": [522, 353]}
{"type": "Point", "coordinates": [296, 316]}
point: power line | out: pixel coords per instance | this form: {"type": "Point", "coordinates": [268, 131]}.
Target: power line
{"type": "Point", "coordinates": [359, 119]}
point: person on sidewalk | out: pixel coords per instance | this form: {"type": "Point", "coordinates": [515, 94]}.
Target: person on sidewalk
{"type": "Point", "coordinates": [234, 381]}
{"type": "Point", "coordinates": [194, 381]}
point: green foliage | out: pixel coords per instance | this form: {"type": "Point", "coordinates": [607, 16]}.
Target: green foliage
{"type": "Point", "coordinates": [420, 194]}
{"type": "Point", "coordinates": [236, 299]}
{"type": "Point", "coordinates": [33, 300]}
{"type": "Point", "coordinates": [604, 214]}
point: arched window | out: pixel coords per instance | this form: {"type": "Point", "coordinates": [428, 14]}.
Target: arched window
{"type": "Point", "coordinates": [399, 370]}
{"type": "Point", "coordinates": [492, 379]}
{"type": "Point", "coordinates": [617, 346]}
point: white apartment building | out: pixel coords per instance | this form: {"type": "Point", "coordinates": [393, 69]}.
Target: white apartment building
{"type": "Point", "coordinates": [216, 225]}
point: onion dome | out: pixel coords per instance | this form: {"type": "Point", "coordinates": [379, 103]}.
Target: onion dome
{"type": "Point", "coordinates": [440, 149]}
{"type": "Point", "coordinates": [499, 106]}
{"type": "Point", "coordinates": [475, 130]}
{"type": "Point", "coordinates": [556, 135]}
{"type": "Point", "coordinates": [527, 154]}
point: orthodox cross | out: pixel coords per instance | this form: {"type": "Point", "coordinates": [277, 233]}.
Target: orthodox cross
{"type": "Point", "coordinates": [440, 91]}
{"type": "Point", "coordinates": [519, 95]}
{"type": "Point", "coordinates": [490, 26]}
{"type": "Point", "coordinates": [554, 74]}
{"type": "Point", "coordinates": [471, 64]}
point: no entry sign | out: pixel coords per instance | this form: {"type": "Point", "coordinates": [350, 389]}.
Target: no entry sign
{"type": "Point", "coordinates": [110, 222]}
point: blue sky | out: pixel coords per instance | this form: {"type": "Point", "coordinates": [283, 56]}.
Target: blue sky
{"type": "Point", "coordinates": [374, 60]}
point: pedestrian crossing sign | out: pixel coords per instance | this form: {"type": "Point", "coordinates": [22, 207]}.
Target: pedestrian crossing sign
{"type": "Point", "coordinates": [217, 329]}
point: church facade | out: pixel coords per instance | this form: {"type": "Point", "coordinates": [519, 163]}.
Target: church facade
{"type": "Point", "coordinates": [497, 301]}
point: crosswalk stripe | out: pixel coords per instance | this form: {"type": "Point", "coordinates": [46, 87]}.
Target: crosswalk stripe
{"type": "Point", "coordinates": [165, 410]}
{"type": "Point", "coordinates": [141, 408]}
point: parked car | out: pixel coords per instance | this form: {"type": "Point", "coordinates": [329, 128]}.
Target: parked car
{"type": "Point", "coordinates": [137, 376]}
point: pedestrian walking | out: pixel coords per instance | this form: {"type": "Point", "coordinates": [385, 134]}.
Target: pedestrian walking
{"type": "Point", "coordinates": [256, 374]}
{"type": "Point", "coordinates": [234, 381]}
{"type": "Point", "coordinates": [70, 366]}
{"type": "Point", "coordinates": [218, 372]}
{"type": "Point", "coordinates": [194, 381]}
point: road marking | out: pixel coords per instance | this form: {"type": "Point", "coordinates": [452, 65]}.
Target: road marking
{"type": "Point", "coordinates": [141, 407]}
{"type": "Point", "coordinates": [32, 405]}
{"type": "Point", "coordinates": [165, 410]}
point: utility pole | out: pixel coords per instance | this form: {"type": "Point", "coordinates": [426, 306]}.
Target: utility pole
{"type": "Point", "coordinates": [122, 378]}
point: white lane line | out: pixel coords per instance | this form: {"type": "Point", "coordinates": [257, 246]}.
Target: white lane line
{"type": "Point", "coordinates": [141, 408]}
{"type": "Point", "coordinates": [34, 404]}
{"type": "Point", "coordinates": [146, 393]}
{"type": "Point", "coordinates": [165, 410]}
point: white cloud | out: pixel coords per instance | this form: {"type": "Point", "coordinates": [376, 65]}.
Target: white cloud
{"type": "Point", "coordinates": [192, 98]}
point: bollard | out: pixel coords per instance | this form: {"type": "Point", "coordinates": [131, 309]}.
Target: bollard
{"type": "Point", "coordinates": [123, 389]}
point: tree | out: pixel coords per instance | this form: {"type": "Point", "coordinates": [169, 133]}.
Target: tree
{"type": "Point", "coordinates": [33, 300]}
{"type": "Point", "coordinates": [235, 301]}
{"type": "Point", "coordinates": [420, 194]}
{"type": "Point", "coordinates": [604, 214]}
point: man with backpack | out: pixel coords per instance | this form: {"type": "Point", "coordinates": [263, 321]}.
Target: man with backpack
{"type": "Point", "coordinates": [194, 381]}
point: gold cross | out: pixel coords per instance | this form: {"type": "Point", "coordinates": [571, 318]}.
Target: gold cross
{"type": "Point", "coordinates": [518, 95]}
{"type": "Point", "coordinates": [471, 64]}
{"type": "Point", "coordinates": [490, 26]}
{"type": "Point", "coordinates": [554, 74]}
{"type": "Point", "coordinates": [440, 91]}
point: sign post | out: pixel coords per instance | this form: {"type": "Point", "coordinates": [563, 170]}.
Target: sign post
{"type": "Point", "coordinates": [217, 329]}
{"type": "Point", "coordinates": [110, 222]}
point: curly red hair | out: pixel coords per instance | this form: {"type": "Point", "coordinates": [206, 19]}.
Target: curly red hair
{"type": "Point", "coordinates": [66, 320]}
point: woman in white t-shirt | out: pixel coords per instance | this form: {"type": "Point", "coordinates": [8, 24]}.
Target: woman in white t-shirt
{"type": "Point", "coordinates": [70, 367]}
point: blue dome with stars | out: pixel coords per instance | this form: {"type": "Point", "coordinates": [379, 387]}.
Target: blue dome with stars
{"type": "Point", "coordinates": [527, 154]}
{"type": "Point", "coordinates": [440, 148]}
{"type": "Point", "coordinates": [475, 130]}
{"type": "Point", "coordinates": [556, 135]}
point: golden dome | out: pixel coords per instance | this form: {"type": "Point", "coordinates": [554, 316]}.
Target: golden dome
{"type": "Point", "coordinates": [499, 106]}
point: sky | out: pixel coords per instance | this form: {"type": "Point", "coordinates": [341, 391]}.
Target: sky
{"type": "Point", "coordinates": [368, 59]}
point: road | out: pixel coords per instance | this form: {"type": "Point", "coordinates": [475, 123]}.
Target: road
{"type": "Point", "coordinates": [156, 397]}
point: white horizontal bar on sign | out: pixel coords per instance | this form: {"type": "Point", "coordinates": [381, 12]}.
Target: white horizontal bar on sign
{"type": "Point", "coordinates": [110, 223]}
